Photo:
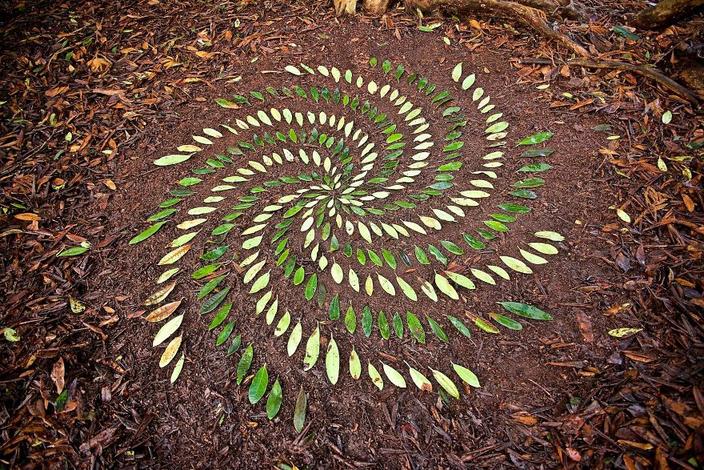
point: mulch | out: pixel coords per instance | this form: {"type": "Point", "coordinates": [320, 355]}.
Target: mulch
{"type": "Point", "coordinates": [90, 89]}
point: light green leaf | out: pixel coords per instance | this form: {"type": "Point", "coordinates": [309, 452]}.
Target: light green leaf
{"type": "Point", "coordinates": [622, 332]}
{"type": "Point", "coordinates": [446, 383]}
{"type": "Point", "coordinates": [178, 368]}
{"type": "Point", "coordinates": [312, 349]}
{"type": "Point", "coordinates": [538, 138]}
{"type": "Point", "coordinates": [167, 330]}
{"type": "Point", "coordinates": [394, 376]}
{"type": "Point", "coordinates": [445, 287]}
{"type": "Point", "coordinates": [457, 72]}
{"type": "Point", "coordinates": [294, 339]}
{"type": "Point", "coordinates": [375, 376]}
{"type": "Point", "coordinates": [332, 361]}
{"type": "Point", "coordinates": [355, 365]}
{"type": "Point", "coordinates": [421, 381]}
{"type": "Point", "coordinates": [552, 236]}
{"type": "Point", "coordinates": [175, 159]}
{"type": "Point", "coordinates": [516, 264]}
{"type": "Point", "coordinates": [467, 375]}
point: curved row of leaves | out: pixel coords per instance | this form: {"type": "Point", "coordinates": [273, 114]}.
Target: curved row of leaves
{"type": "Point", "coordinates": [359, 207]}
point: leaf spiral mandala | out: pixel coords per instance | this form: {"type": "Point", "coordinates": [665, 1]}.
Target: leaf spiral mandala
{"type": "Point", "coordinates": [340, 191]}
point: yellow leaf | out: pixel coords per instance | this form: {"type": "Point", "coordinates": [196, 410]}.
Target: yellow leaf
{"type": "Point", "coordinates": [623, 215]}
{"type": "Point", "coordinates": [621, 332]}
{"type": "Point", "coordinates": [170, 351]}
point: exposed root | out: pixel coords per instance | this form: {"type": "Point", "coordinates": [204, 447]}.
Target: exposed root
{"type": "Point", "coordinates": [644, 70]}
{"type": "Point", "coordinates": [528, 15]}
{"type": "Point", "coordinates": [666, 12]}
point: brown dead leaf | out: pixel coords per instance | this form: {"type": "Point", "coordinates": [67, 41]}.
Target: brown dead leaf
{"type": "Point", "coordinates": [637, 445]}
{"type": "Point", "coordinates": [57, 375]}
{"type": "Point", "coordinates": [525, 418]}
{"type": "Point", "coordinates": [638, 357]}
{"type": "Point", "coordinates": [28, 216]}
{"type": "Point", "coordinates": [585, 326]}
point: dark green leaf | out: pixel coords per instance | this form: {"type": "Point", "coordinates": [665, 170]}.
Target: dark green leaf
{"type": "Point", "coordinates": [527, 311]}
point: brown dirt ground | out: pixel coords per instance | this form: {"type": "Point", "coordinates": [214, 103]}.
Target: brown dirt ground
{"type": "Point", "coordinates": [204, 420]}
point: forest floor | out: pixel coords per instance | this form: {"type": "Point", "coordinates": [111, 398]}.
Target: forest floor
{"type": "Point", "coordinates": [93, 92]}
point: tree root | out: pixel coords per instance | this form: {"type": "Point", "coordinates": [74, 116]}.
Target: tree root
{"type": "Point", "coordinates": [666, 12]}
{"type": "Point", "coordinates": [644, 70]}
{"type": "Point", "coordinates": [528, 15]}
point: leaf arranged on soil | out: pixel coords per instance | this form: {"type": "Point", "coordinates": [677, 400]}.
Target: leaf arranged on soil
{"type": "Point", "coordinates": [259, 384]}
{"type": "Point", "coordinates": [299, 410]}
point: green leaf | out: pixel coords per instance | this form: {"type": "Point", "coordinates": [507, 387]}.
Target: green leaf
{"type": "Point", "coordinates": [11, 335]}
{"type": "Point", "coordinates": [245, 363]}
{"type": "Point", "coordinates": [532, 153]}
{"type": "Point", "coordinates": [311, 286]}
{"type": "Point", "coordinates": [213, 302]}
{"type": "Point", "coordinates": [552, 236]}
{"type": "Point", "coordinates": [485, 326]}
{"type": "Point", "coordinates": [398, 325]}
{"type": "Point", "coordinates": [259, 384]}
{"type": "Point", "coordinates": [273, 402]}
{"type": "Point", "coordinates": [467, 375]}
{"type": "Point", "coordinates": [394, 376]}
{"type": "Point", "coordinates": [437, 329]}
{"type": "Point", "coordinates": [457, 72]}
{"type": "Point", "coordinates": [367, 321]}
{"type": "Point", "coordinates": [496, 226]}
{"type": "Point", "coordinates": [514, 208]}
{"type": "Point", "coordinates": [503, 320]}
{"type": "Point", "coordinates": [350, 320]}
{"type": "Point", "coordinates": [73, 251]}
{"type": "Point", "coordinates": [355, 365]}
{"type": "Point", "coordinates": [625, 32]}
{"type": "Point", "coordinates": [459, 326]}
{"type": "Point", "coordinates": [452, 247]}
{"type": "Point", "coordinates": [421, 256]}
{"type": "Point", "coordinates": [473, 242]}
{"type": "Point", "coordinates": [335, 308]}
{"type": "Point", "coordinates": [529, 183]}
{"type": "Point", "coordinates": [148, 232]}
{"type": "Point", "coordinates": [332, 361]}
{"type": "Point", "coordinates": [383, 325]}
{"type": "Point", "coordinates": [538, 138]}
{"type": "Point", "coordinates": [525, 310]}
{"type": "Point", "coordinates": [235, 345]}
{"type": "Point", "coordinates": [447, 384]}
{"type": "Point", "coordinates": [299, 410]}
{"type": "Point", "coordinates": [215, 253]}
{"type": "Point", "coordinates": [375, 376]}
{"type": "Point", "coordinates": [167, 330]}
{"type": "Point", "coordinates": [298, 276]}
{"type": "Point", "coordinates": [294, 339]}
{"type": "Point", "coordinates": [225, 333]}
{"type": "Point", "coordinates": [524, 194]}
{"type": "Point", "coordinates": [415, 327]}
{"type": "Point", "coordinates": [312, 349]}
{"type": "Point", "coordinates": [220, 316]}
{"type": "Point", "coordinates": [535, 167]}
